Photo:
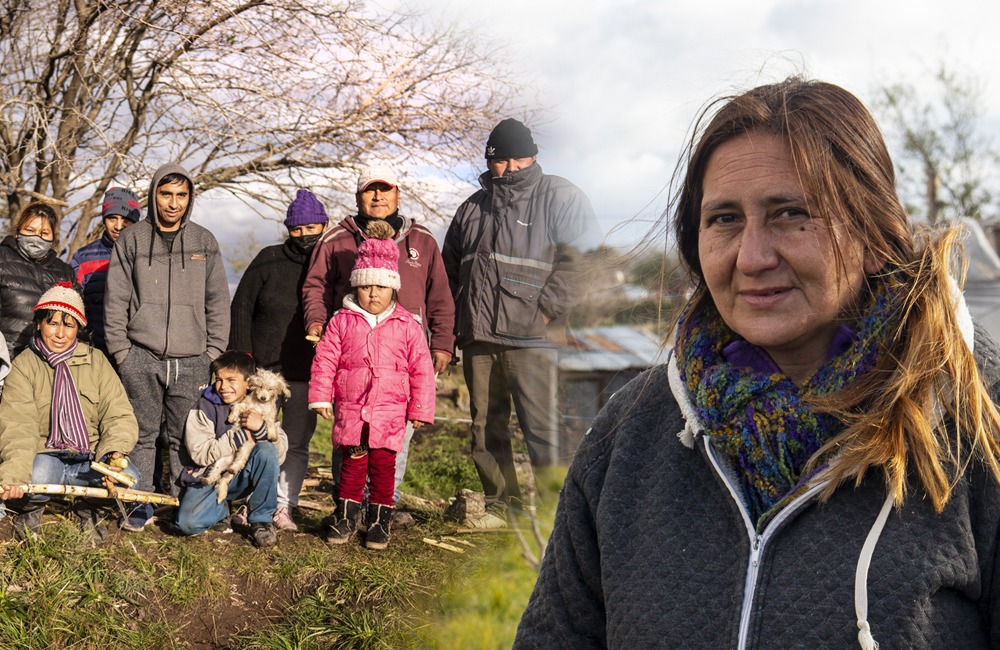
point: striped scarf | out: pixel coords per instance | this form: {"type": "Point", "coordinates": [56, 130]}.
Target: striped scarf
{"type": "Point", "coordinates": [68, 425]}
{"type": "Point", "coordinates": [762, 420]}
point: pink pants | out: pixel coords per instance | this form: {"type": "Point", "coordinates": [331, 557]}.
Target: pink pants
{"type": "Point", "coordinates": [357, 466]}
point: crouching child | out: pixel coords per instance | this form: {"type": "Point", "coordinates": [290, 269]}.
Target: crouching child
{"type": "Point", "coordinates": [210, 439]}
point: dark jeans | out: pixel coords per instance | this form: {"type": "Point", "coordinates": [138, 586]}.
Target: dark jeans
{"type": "Point", "coordinates": [156, 388]}
{"type": "Point", "coordinates": [496, 375]}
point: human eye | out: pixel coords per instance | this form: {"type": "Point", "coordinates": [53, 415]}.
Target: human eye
{"type": "Point", "coordinates": [721, 219]}
{"type": "Point", "coordinates": [793, 212]}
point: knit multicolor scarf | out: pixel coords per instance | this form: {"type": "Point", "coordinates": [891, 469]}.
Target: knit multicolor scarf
{"type": "Point", "coordinates": [763, 421]}
{"type": "Point", "coordinates": [68, 425]}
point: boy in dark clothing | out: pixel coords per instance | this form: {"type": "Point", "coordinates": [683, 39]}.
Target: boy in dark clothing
{"type": "Point", "coordinates": [208, 439]}
{"type": "Point", "coordinates": [166, 315]}
{"type": "Point", "coordinates": [90, 264]}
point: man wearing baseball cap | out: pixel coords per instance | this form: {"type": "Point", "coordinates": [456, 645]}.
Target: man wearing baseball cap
{"type": "Point", "coordinates": [510, 254]}
{"type": "Point", "coordinates": [90, 263]}
{"type": "Point", "coordinates": [424, 293]}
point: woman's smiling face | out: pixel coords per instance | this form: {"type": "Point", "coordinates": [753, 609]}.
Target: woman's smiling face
{"type": "Point", "coordinates": [770, 265]}
{"type": "Point", "coordinates": [59, 331]}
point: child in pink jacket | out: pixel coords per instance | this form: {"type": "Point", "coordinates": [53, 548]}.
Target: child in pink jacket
{"type": "Point", "coordinates": [373, 369]}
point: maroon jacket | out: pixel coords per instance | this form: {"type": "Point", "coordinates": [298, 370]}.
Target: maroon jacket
{"type": "Point", "coordinates": [424, 293]}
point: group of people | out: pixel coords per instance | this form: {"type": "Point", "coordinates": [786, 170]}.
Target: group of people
{"type": "Point", "coordinates": [133, 352]}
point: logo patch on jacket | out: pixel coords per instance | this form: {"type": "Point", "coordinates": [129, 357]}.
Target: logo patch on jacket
{"type": "Point", "coordinates": [201, 257]}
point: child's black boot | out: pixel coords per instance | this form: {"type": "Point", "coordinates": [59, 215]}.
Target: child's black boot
{"type": "Point", "coordinates": [345, 521]}
{"type": "Point", "coordinates": [379, 517]}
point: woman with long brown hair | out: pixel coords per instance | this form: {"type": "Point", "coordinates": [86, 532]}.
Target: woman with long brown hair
{"type": "Point", "coordinates": [816, 465]}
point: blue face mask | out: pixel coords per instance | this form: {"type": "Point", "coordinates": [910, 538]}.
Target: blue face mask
{"type": "Point", "coordinates": [33, 246]}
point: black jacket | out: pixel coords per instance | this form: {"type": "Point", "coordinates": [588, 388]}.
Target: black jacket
{"type": "Point", "coordinates": [22, 283]}
{"type": "Point", "coordinates": [267, 312]}
{"type": "Point", "coordinates": [652, 548]}
{"type": "Point", "coordinates": [511, 254]}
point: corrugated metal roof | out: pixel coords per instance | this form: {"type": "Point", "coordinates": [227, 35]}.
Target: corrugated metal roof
{"type": "Point", "coordinates": [596, 349]}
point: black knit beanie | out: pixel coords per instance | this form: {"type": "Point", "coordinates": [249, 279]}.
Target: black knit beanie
{"type": "Point", "coordinates": [510, 139]}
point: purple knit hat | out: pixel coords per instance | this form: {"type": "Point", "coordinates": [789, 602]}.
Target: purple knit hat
{"type": "Point", "coordinates": [304, 210]}
{"type": "Point", "coordinates": [378, 259]}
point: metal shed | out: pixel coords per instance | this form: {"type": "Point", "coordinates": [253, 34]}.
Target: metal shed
{"type": "Point", "coordinates": [594, 362]}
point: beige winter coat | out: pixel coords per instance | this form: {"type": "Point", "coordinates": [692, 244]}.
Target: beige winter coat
{"type": "Point", "coordinates": [26, 404]}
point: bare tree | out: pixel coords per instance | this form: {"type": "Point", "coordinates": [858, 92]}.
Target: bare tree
{"type": "Point", "coordinates": [944, 161]}
{"type": "Point", "coordinates": [252, 96]}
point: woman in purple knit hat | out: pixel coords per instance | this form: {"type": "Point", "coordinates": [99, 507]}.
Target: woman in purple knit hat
{"type": "Point", "coordinates": [267, 323]}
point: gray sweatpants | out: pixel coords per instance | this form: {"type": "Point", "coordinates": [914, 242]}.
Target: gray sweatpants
{"type": "Point", "coordinates": [299, 424]}
{"type": "Point", "coordinates": [158, 388]}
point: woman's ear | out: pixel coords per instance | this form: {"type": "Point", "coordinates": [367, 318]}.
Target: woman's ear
{"type": "Point", "coordinates": [872, 263]}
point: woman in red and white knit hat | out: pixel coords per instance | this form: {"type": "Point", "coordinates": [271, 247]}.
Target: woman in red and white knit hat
{"type": "Point", "coordinates": [374, 368]}
{"type": "Point", "coordinates": [63, 406]}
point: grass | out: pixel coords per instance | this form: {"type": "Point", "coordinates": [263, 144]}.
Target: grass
{"type": "Point", "coordinates": [157, 590]}
{"type": "Point", "coordinates": [481, 605]}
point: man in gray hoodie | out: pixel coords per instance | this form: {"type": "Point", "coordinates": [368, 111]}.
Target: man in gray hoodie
{"type": "Point", "coordinates": [166, 313]}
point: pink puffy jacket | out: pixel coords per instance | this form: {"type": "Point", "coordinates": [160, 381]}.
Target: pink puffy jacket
{"type": "Point", "coordinates": [382, 376]}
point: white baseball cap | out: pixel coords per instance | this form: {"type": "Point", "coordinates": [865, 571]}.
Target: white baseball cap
{"type": "Point", "coordinates": [376, 174]}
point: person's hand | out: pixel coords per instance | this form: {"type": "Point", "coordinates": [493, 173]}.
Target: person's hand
{"type": "Point", "coordinates": [314, 333]}
{"type": "Point", "coordinates": [252, 421]}
{"type": "Point", "coordinates": [324, 412]}
{"type": "Point", "coordinates": [441, 361]}
{"type": "Point", "coordinates": [11, 492]}
{"type": "Point", "coordinates": [417, 424]}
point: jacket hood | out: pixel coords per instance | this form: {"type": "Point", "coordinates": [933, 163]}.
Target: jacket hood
{"type": "Point", "coordinates": [166, 170]}
{"type": "Point", "coordinates": [209, 395]}
{"type": "Point", "coordinates": [521, 178]}
{"type": "Point", "coordinates": [351, 225]}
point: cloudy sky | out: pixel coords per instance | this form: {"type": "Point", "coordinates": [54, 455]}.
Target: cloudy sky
{"type": "Point", "coordinates": [622, 80]}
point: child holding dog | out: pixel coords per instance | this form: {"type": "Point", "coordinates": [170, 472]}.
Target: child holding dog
{"type": "Point", "coordinates": [373, 368]}
{"type": "Point", "coordinates": [209, 438]}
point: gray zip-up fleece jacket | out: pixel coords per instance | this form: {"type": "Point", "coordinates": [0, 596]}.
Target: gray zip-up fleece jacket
{"type": "Point", "coordinates": [653, 548]}
{"type": "Point", "coordinates": [511, 254]}
{"type": "Point", "coordinates": [172, 301]}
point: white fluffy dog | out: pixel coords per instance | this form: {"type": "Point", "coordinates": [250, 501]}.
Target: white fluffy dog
{"type": "Point", "coordinates": [263, 389]}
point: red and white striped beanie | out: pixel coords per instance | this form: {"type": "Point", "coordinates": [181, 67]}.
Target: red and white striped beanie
{"type": "Point", "coordinates": [62, 297]}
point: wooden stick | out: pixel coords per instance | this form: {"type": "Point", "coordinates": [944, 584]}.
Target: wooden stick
{"type": "Point", "coordinates": [447, 547]}
{"type": "Point", "coordinates": [457, 541]}
{"type": "Point", "coordinates": [100, 493]}
{"type": "Point", "coordinates": [124, 479]}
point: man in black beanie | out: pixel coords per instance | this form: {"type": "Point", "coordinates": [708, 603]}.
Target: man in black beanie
{"type": "Point", "coordinates": [510, 254]}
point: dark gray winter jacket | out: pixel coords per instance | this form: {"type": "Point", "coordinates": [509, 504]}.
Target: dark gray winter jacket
{"type": "Point", "coordinates": [511, 256]}
{"type": "Point", "coordinates": [653, 548]}
{"type": "Point", "coordinates": [172, 301]}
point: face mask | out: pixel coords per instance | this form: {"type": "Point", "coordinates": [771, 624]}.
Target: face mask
{"type": "Point", "coordinates": [33, 246]}
{"type": "Point", "coordinates": [305, 243]}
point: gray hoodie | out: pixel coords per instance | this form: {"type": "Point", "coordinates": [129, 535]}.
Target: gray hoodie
{"type": "Point", "coordinates": [171, 300]}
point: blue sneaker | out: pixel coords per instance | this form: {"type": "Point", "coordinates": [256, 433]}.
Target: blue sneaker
{"type": "Point", "coordinates": [139, 516]}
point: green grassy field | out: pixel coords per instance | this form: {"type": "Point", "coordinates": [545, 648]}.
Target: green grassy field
{"type": "Point", "coordinates": [155, 589]}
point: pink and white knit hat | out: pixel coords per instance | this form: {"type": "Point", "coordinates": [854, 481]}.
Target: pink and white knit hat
{"type": "Point", "coordinates": [378, 259]}
{"type": "Point", "coordinates": [62, 297]}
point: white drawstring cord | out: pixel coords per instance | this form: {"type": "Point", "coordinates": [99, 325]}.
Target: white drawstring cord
{"type": "Point", "coordinates": [865, 638]}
